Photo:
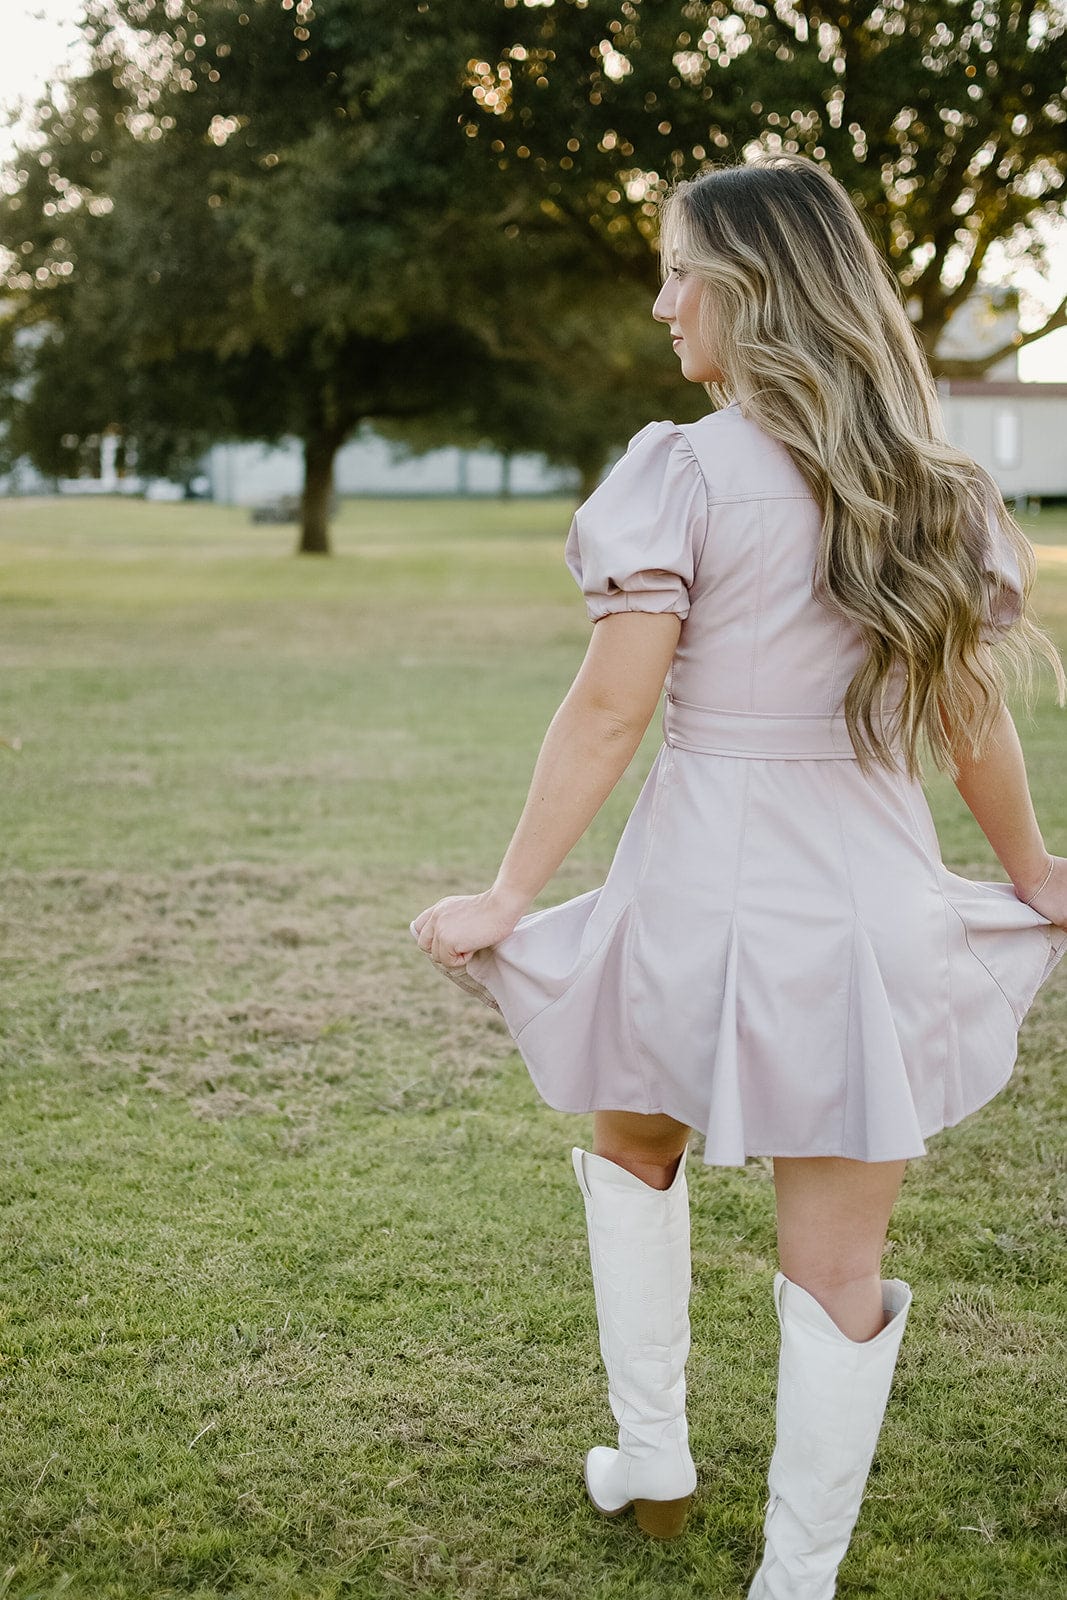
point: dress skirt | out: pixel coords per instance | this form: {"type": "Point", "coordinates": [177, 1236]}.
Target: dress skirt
{"type": "Point", "coordinates": [778, 958]}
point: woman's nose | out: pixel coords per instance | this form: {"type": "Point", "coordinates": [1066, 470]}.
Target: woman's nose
{"type": "Point", "coordinates": [662, 310]}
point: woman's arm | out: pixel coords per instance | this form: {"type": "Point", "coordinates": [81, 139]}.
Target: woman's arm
{"type": "Point", "coordinates": [590, 742]}
{"type": "Point", "coordinates": [998, 796]}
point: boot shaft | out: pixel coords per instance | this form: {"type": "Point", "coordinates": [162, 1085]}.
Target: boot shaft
{"type": "Point", "coordinates": [639, 1251]}
{"type": "Point", "coordinates": [832, 1395]}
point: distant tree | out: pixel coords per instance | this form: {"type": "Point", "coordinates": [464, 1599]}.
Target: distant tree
{"type": "Point", "coordinates": [577, 367]}
{"type": "Point", "coordinates": [237, 223]}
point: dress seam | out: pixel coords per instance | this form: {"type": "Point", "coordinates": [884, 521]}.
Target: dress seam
{"type": "Point", "coordinates": [698, 556]}
{"type": "Point", "coordinates": [810, 716]}
{"type": "Point", "coordinates": [966, 932]}
{"type": "Point", "coordinates": [851, 955]}
{"type": "Point", "coordinates": [740, 849]}
{"type": "Point", "coordinates": [640, 1054]}
{"type": "Point", "coordinates": [967, 938]}
{"type": "Point", "coordinates": [758, 608]}
{"type": "Point", "coordinates": [919, 832]}
{"type": "Point", "coordinates": [832, 696]}
{"type": "Point", "coordinates": [746, 499]}
{"type": "Point", "coordinates": [735, 932]}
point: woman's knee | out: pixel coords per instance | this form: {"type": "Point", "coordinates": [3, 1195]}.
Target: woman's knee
{"type": "Point", "coordinates": [833, 1215]}
{"type": "Point", "coordinates": [649, 1146]}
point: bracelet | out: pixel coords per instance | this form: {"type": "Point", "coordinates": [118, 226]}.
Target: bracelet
{"type": "Point", "coordinates": [1048, 874]}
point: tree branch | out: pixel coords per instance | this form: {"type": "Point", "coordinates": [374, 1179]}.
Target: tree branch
{"type": "Point", "coordinates": [1056, 319]}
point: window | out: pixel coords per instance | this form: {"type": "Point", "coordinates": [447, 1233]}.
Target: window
{"type": "Point", "coordinates": [1006, 442]}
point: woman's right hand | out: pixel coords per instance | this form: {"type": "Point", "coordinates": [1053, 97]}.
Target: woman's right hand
{"type": "Point", "coordinates": [1051, 902]}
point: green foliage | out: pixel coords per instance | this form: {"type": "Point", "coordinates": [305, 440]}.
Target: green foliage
{"type": "Point", "coordinates": [252, 245]}
{"type": "Point", "coordinates": [945, 123]}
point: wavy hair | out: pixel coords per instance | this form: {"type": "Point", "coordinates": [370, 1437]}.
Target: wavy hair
{"type": "Point", "coordinates": [808, 328]}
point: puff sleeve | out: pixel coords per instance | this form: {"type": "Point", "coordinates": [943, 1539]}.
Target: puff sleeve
{"type": "Point", "coordinates": [635, 543]}
{"type": "Point", "coordinates": [1004, 581]}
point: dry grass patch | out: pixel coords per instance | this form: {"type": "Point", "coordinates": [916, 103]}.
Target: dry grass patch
{"type": "Point", "coordinates": [272, 990]}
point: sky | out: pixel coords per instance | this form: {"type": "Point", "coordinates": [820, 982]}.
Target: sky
{"type": "Point", "coordinates": [41, 37]}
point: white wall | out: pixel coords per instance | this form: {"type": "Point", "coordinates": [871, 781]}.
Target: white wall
{"type": "Point", "coordinates": [243, 474]}
{"type": "Point", "coordinates": [1020, 437]}
{"type": "Point", "coordinates": [1018, 431]}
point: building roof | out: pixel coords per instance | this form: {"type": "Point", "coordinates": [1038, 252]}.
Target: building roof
{"type": "Point", "coordinates": [1002, 388]}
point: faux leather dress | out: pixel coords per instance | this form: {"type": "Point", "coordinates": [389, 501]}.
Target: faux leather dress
{"type": "Point", "coordinates": [778, 956]}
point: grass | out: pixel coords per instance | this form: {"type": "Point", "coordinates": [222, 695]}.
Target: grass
{"type": "Point", "coordinates": [294, 1287]}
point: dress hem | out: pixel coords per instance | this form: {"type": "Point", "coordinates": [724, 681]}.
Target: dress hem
{"type": "Point", "coordinates": [788, 1155]}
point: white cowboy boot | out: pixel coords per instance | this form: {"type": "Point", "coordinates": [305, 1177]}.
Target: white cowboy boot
{"type": "Point", "coordinates": [832, 1394]}
{"type": "Point", "coordinates": [639, 1253]}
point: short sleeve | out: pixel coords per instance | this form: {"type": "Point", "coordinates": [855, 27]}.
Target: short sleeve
{"type": "Point", "coordinates": [1004, 581]}
{"type": "Point", "coordinates": [634, 544]}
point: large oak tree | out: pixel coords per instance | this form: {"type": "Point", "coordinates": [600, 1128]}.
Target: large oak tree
{"type": "Point", "coordinates": [239, 222]}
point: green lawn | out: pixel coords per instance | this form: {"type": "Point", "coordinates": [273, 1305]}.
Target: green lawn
{"type": "Point", "coordinates": [294, 1285]}
{"type": "Point", "coordinates": [1049, 527]}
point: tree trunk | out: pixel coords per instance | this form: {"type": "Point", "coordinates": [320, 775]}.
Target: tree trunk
{"type": "Point", "coordinates": [319, 454]}
{"type": "Point", "coordinates": [505, 475]}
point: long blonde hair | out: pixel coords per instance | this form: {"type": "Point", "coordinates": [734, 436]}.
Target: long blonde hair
{"type": "Point", "coordinates": [807, 325]}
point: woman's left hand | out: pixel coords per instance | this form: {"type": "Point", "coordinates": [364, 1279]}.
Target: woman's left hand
{"type": "Point", "coordinates": [456, 926]}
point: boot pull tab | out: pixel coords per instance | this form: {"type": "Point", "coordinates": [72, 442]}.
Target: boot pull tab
{"type": "Point", "coordinates": [579, 1170]}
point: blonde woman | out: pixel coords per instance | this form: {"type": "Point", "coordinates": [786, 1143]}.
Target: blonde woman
{"type": "Point", "coordinates": [778, 957]}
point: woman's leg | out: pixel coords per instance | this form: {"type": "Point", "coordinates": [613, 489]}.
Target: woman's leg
{"type": "Point", "coordinates": [832, 1220]}
{"type": "Point", "coordinates": [841, 1325]}
{"type": "Point", "coordinates": [648, 1146]}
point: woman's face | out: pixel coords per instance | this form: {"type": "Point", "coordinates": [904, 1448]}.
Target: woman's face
{"type": "Point", "coordinates": [678, 305]}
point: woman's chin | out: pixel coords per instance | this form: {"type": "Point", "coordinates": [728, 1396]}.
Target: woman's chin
{"type": "Point", "coordinates": [698, 371]}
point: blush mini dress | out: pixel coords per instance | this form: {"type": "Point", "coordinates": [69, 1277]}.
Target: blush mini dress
{"type": "Point", "coordinates": [778, 956]}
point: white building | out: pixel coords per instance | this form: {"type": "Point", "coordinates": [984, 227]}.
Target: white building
{"type": "Point", "coordinates": [986, 320]}
{"type": "Point", "coordinates": [245, 474]}
{"type": "Point", "coordinates": [1018, 431]}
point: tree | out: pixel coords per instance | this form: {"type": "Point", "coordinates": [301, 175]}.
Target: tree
{"type": "Point", "coordinates": [235, 200]}
{"type": "Point", "coordinates": [576, 367]}
{"type": "Point", "coordinates": [943, 121]}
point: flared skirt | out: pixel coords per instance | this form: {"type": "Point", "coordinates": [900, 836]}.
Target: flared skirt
{"type": "Point", "coordinates": [778, 958]}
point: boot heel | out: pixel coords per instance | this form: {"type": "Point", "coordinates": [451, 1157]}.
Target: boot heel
{"type": "Point", "coordinates": [663, 1519]}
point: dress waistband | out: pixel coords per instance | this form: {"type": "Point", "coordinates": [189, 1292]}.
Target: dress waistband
{"type": "Point", "coordinates": [788, 735]}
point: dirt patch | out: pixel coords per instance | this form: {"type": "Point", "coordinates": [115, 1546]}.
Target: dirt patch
{"type": "Point", "coordinates": [248, 988]}
{"type": "Point", "coordinates": [975, 1321]}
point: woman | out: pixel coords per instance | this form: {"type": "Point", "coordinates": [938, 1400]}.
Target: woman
{"type": "Point", "coordinates": [778, 957]}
